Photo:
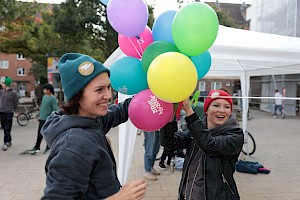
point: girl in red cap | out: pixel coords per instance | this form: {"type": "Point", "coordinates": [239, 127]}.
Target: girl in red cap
{"type": "Point", "coordinates": [213, 145]}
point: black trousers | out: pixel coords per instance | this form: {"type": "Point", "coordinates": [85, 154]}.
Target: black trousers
{"type": "Point", "coordinates": [6, 124]}
{"type": "Point", "coordinates": [166, 153]}
{"type": "Point", "coordinates": [39, 137]}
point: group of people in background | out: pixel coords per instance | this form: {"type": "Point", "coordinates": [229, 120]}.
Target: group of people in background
{"type": "Point", "coordinates": [9, 101]}
{"type": "Point", "coordinates": [81, 164]}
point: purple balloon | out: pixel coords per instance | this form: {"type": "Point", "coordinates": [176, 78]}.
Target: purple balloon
{"type": "Point", "coordinates": [128, 18]}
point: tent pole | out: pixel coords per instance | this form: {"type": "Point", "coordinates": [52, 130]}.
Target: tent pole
{"type": "Point", "coordinates": [245, 84]}
{"type": "Point", "coordinates": [274, 82]}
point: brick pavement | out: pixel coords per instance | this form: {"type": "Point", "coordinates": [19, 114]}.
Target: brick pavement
{"type": "Point", "coordinates": [22, 177]}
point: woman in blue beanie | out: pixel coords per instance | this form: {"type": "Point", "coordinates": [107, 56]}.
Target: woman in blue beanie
{"type": "Point", "coordinates": [81, 164]}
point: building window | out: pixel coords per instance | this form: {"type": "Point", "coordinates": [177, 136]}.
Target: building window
{"type": "Point", "coordinates": [22, 89]}
{"type": "Point", "coordinates": [216, 85]}
{"type": "Point", "coordinates": [21, 71]}
{"type": "Point", "coordinates": [202, 86]}
{"type": "Point", "coordinates": [20, 57]}
{"type": "Point", "coordinates": [4, 64]}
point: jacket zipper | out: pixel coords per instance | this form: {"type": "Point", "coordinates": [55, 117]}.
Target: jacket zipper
{"type": "Point", "coordinates": [186, 170]}
{"type": "Point", "coordinates": [204, 174]}
{"type": "Point", "coordinates": [225, 181]}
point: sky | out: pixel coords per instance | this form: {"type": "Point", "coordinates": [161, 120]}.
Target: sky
{"type": "Point", "coordinates": [160, 1]}
{"type": "Point", "coordinates": [160, 5]}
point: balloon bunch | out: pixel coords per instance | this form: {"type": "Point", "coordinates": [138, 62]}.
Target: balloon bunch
{"type": "Point", "coordinates": [169, 60]}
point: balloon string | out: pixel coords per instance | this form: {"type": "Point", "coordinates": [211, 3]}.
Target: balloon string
{"type": "Point", "coordinates": [140, 41]}
{"type": "Point", "coordinates": [177, 113]}
{"type": "Point", "coordinates": [135, 47]}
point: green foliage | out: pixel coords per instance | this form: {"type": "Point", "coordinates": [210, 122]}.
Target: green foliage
{"type": "Point", "coordinates": [224, 17]}
{"type": "Point", "coordinates": [6, 11]}
{"type": "Point", "coordinates": [38, 31]}
{"type": "Point", "coordinates": [17, 21]}
{"type": "Point", "coordinates": [151, 16]}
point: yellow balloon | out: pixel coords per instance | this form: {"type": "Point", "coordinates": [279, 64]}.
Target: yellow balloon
{"type": "Point", "coordinates": [172, 77]}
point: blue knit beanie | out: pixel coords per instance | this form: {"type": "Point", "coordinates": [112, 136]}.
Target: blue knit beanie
{"type": "Point", "coordinates": [76, 71]}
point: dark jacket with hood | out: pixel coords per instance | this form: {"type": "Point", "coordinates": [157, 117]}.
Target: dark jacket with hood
{"type": "Point", "coordinates": [81, 164]}
{"type": "Point", "coordinates": [210, 160]}
{"type": "Point", "coordinates": [8, 100]}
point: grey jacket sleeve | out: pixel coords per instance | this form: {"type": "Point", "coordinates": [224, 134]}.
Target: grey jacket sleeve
{"type": "Point", "coordinates": [117, 114]}
{"type": "Point", "coordinates": [16, 101]}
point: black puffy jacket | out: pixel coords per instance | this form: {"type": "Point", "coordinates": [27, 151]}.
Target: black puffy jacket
{"type": "Point", "coordinates": [219, 150]}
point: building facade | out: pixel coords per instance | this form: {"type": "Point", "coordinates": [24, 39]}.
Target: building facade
{"type": "Point", "coordinates": [18, 68]}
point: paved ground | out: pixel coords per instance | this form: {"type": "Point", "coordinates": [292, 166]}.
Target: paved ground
{"type": "Point", "coordinates": [22, 177]}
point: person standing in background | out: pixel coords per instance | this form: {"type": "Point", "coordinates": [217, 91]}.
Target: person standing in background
{"type": "Point", "coordinates": [278, 103]}
{"type": "Point", "coordinates": [8, 104]}
{"type": "Point", "coordinates": [39, 94]}
{"type": "Point", "coordinates": [151, 144]}
{"type": "Point", "coordinates": [166, 139]}
{"type": "Point", "coordinates": [48, 105]}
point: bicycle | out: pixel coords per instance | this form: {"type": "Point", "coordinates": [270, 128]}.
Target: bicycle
{"type": "Point", "coordinates": [249, 146]}
{"type": "Point", "coordinates": [24, 117]}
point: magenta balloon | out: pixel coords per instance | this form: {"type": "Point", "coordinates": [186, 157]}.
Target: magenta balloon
{"type": "Point", "coordinates": [149, 113]}
{"type": "Point", "coordinates": [135, 46]}
{"type": "Point", "coordinates": [128, 18]}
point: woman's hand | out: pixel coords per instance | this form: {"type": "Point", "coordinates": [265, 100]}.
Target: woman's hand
{"type": "Point", "coordinates": [187, 107]}
{"type": "Point", "coordinates": [132, 190]}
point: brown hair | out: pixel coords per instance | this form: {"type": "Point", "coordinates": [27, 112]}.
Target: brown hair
{"type": "Point", "coordinates": [71, 107]}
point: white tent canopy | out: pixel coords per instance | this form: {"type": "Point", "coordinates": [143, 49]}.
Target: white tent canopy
{"type": "Point", "coordinates": [244, 54]}
{"type": "Point", "coordinates": [238, 53]}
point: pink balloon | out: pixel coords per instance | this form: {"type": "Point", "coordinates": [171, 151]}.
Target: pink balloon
{"type": "Point", "coordinates": [149, 113]}
{"type": "Point", "coordinates": [135, 46]}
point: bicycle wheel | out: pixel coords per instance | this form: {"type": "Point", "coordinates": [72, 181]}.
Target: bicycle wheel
{"type": "Point", "coordinates": [249, 146]}
{"type": "Point", "coordinates": [22, 119]}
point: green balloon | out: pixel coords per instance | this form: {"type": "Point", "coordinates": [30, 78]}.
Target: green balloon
{"type": "Point", "coordinates": [155, 49]}
{"type": "Point", "coordinates": [195, 28]}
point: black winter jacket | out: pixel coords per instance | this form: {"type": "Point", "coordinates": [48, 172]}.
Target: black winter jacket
{"type": "Point", "coordinates": [219, 149]}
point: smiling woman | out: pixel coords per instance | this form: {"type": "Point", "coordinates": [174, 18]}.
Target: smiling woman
{"type": "Point", "coordinates": [81, 162]}
{"type": "Point", "coordinates": [213, 145]}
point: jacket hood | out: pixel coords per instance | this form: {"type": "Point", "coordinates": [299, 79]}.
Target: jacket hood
{"type": "Point", "coordinates": [57, 123]}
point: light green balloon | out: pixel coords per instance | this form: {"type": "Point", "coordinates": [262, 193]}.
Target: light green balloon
{"type": "Point", "coordinates": [195, 28]}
